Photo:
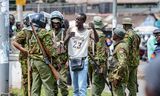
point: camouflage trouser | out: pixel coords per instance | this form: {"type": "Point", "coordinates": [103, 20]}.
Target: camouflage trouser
{"type": "Point", "coordinates": [41, 74]}
{"type": "Point", "coordinates": [98, 83]}
{"type": "Point", "coordinates": [132, 81]}
{"type": "Point", "coordinates": [90, 71]}
{"type": "Point", "coordinates": [63, 81]}
{"type": "Point", "coordinates": [24, 67]}
{"type": "Point", "coordinates": [119, 90]}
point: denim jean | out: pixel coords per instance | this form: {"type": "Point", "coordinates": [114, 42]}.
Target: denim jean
{"type": "Point", "coordinates": [79, 80]}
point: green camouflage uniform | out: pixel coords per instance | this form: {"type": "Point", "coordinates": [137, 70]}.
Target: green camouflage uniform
{"type": "Point", "coordinates": [18, 30]}
{"type": "Point", "coordinates": [120, 71]}
{"type": "Point", "coordinates": [101, 58]}
{"type": "Point", "coordinates": [60, 61]}
{"type": "Point", "coordinates": [90, 62]}
{"type": "Point", "coordinates": [133, 41]}
{"type": "Point", "coordinates": [41, 72]}
{"type": "Point", "coordinates": [21, 38]}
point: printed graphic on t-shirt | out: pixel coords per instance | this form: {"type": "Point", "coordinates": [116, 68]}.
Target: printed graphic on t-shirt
{"type": "Point", "coordinates": [77, 42]}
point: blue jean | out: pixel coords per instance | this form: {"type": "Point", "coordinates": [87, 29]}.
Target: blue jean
{"type": "Point", "coordinates": [79, 80]}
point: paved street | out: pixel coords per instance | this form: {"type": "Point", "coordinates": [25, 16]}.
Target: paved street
{"type": "Point", "coordinates": [141, 81]}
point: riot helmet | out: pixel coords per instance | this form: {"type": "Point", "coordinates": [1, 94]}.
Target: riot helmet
{"type": "Point", "coordinates": [38, 20]}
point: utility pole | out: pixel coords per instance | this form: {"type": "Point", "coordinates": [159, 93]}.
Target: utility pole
{"type": "Point", "coordinates": [4, 48]}
{"type": "Point", "coordinates": [20, 13]}
{"type": "Point", "coordinates": [159, 6]}
{"type": "Point", "coordinates": [20, 4]}
{"type": "Point", "coordinates": [114, 12]}
{"type": "Point", "coordinates": [39, 2]}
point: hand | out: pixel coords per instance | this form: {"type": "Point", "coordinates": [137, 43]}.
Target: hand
{"type": "Point", "coordinates": [72, 34]}
{"type": "Point", "coordinates": [91, 25]}
{"type": "Point", "coordinates": [59, 66]}
{"type": "Point", "coordinates": [66, 65]}
{"type": "Point", "coordinates": [115, 82]}
{"type": "Point", "coordinates": [25, 52]}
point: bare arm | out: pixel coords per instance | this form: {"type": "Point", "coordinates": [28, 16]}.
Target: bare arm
{"type": "Point", "coordinates": [19, 40]}
{"type": "Point", "coordinates": [67, 37]}
{"type": "Point", "coordinates": [94, 35]}
{"type": "Point", "coordinates": [19, 47]}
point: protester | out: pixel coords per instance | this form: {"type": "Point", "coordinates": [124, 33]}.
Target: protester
{"type": "Point", "coordinates": [78, 39]}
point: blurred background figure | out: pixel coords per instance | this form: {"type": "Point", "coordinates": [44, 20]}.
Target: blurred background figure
{"type": "Point", "coordinates": [152, 78]}
{"type": "Point", "coordinates": [11, 31]}
{"type": "Point", "coordinates": [11, 22]}
{"type": "Point", "coordinates": [152, 40]}
{"type": "Point", "coordinates": [19, 27]}
{"type": "Point", "coordinates": [156, 51]}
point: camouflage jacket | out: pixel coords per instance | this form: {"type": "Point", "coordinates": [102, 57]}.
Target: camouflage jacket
{"type": "Point", "coordinates": [120, 54]}
{"type": "Point", "coordinates": [100, 50]}
{"type": "Point", "coordinates": [62, 56]}
{"type": "Point", "coordinates": [133, 41]}
{"type": "Point", "coordinates": [22, 38]}
{"type": "Point", "coordinates": [18, 30]}
{"type": "Point", "coordinates": [46, 39]}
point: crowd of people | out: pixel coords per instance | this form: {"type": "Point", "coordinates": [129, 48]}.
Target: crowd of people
{"type": "Point", "coordinates": [83, 49]}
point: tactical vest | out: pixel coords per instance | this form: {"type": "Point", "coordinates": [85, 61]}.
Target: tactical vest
{"type": "Point", "coordinates": [61, 50]}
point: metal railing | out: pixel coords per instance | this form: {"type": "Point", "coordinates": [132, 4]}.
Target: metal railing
{"type": "Point", "coordinates": [66, 8]}
{"type": "Point", "coordinates": [69, 8]}
{"type": "Point", "coordinates": [139, 10]}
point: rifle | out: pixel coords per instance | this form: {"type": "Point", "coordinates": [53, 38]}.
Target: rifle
{"type": "Point", "coordinates": [29, 77]}
{"type": "Point", "coordinates": [29, 69]}
{"type": "Point", "coordinates": [97, 70]}
{"type": "Point", "coordinates": [46, 59]}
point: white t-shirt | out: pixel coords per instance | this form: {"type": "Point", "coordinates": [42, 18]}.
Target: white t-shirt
{"type": "Point", "coordinates": [78, 45]}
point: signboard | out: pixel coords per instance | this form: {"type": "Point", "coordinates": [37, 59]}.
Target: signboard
{"type": "Point", "coordinates": [21, 2]}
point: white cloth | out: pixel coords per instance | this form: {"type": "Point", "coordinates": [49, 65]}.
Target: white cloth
{"type": "Point", "coordinates": [78, 45]}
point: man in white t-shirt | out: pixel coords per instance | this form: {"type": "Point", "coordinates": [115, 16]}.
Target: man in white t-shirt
{"type": "Point", "coordinates": [78, 40]}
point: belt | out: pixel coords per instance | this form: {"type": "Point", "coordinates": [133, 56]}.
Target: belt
{"type": "Point", "coordinates": [83, 58]}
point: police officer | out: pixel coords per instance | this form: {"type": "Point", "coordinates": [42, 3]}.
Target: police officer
{"type": "Point", "coordinates": [41, 72]}
{"type": "Point", "coordinates": [58, 34]}
{"type": "Point", "coordinates": [133, 41]}
{"type": "Point", "coordinates": [98, 83]}
{"type": "Point", "coordinates": [119, 74]}
{"type": "Point", "coordinates": [21, 43]}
